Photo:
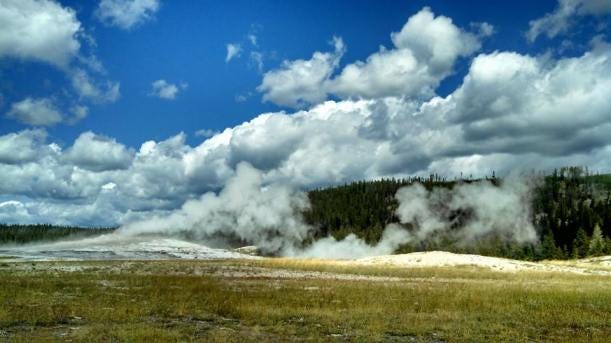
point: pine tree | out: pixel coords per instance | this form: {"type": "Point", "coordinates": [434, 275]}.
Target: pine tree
{"type": "Point", "coordinates": [597, 242]}
{"type": "Point", "coordinates": [580, 244]}
{"type": "Point", "coordinates": [549, 250]}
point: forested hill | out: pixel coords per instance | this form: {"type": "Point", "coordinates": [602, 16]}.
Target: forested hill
{"type": "Point", "coordinates": [571, 212]}
{"type": "Point", "coordinates": [363, 207]}
{"type": "Point", "coordinates": [20, 234]}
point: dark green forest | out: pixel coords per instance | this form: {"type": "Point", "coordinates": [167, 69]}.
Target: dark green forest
{"type": "Point", "coordinates": [20, 234]}
{"type": "Point", "coordinates": [571, 213]}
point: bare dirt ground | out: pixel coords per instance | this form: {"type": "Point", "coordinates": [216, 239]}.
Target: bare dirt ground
{"type": "Point", "coordinates": [432, 259]}
{"type": "Point", "coordinates": [597, 265]}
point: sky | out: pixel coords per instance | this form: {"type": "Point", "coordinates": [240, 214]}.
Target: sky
{"type": "Point", "coordinates": [114, 110]}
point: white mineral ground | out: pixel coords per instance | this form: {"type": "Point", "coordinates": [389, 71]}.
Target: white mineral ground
{"type": "Point", "coordinates": [114, 247]}
{"type": "Point", "coordinates": [597, 265]}
{"type": "Point", "coordinates": [117, 247]}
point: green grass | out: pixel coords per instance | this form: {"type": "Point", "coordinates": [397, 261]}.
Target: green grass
{"type": "Point", "coordinates": [196, 301]}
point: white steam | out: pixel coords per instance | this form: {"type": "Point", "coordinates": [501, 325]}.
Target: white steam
{"type": "Point", "coordinates": [248, 213]}
{"type": "Point", "coordinates": [469, 211]}
{"type": "Point", "coordinates": [353, 247]}
{"type": "Point", "coordinates": [244, 211]}
{"type": "Point", "coordinates": [268, 217]}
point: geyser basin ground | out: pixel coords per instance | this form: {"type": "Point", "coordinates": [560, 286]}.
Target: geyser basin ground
{"type": "Point", "coordinates": [119, 247]}
{"type": "Point", "coordinates": [293, 300]}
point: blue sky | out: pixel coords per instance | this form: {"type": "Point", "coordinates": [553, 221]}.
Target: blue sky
{"type": "Point", "coordinates": [186, 42]}
{"type": "Point", "coordinates": [115, 110]}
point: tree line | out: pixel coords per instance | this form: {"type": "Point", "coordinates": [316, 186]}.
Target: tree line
{"type": "Point", "coordinates": [571, 213]}
{"type": "Point", "coordinates": [21, 234]}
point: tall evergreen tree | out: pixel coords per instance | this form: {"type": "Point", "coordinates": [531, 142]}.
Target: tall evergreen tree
{"type": "Point", "coordinates": [580, 244]}
{"type": "Point", "coordinates": [597, 242]}
{"type": "Point", "coordinates": [549, 250]}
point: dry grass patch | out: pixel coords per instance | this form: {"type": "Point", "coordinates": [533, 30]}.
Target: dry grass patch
{"type": "Point", "coordinates": [193, 301]}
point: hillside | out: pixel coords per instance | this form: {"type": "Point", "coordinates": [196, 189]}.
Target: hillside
{"type": "Point", "coordinates": [567, 205]}
{"type": "Point", "coordinates": [20, 234]}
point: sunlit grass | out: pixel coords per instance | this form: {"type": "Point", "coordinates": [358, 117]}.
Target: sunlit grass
{"type": "Point", "coordinates": [191, 300]}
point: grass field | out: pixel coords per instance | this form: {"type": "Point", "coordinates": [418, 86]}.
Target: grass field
{"type": "Point", "coordinates": [283, 300]}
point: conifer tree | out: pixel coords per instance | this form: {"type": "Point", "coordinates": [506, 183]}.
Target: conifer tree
{"type": "Point", "coordinates": [548, 247]}
{"type": "Point", "coordinates": [580, 244]}
{"type": "Point", "coordinates": [597, 242]}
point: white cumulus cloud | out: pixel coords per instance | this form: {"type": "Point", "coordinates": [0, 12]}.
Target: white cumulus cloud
{"type": "Point", "coordinates": [300, 82]}
{"type": "Point", "coordinates": [21, 147]}
{"type": "Point", "coordinates": [126, 14]}
{"type": "Point", "coordinates": [34, 111]}
{"type": "Point", "coordinates": [424, 53]}
{"type": "Point", "coordinates": [87, 88]}
{"type": "Point", "coordinates": [98, 153]}
{"type": "Point", "coordinates": [41, 30]}
{"type": "Point", "coordinates": [44, 30]}
{"type": "Point", "coordinates": [165, 90]}
{"type": "Point", "coordinates": [564, 16]}
{"type": "Point", "coordinates": [511, 110]}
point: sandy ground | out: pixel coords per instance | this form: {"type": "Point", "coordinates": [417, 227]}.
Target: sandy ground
{"type": "Point", "coordinates": [245, 271]}
{"type": "Point", "coordinates": [431, 259]}
{"type": "Point", "coordinates": [117, 247]}
{"type": "Point", "coordinates": [599, 265]}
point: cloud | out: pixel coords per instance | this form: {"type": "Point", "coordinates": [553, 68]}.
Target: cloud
{"type": "Point", "coordinates": [298, 83]}
{"type": "Point", "coordinates": [22, 147]}
{"type": "Point", "coordinates": [86, 88]}
{"type": "Point", "coordinates": [248, 46]}
{"type": "Point", "coordinates": [434, 40]}
{"type": "Point", "coordinates": [126, 14]}
{"type": "Point", "coordinates": [44, 112]}
{"type": "Point", "coordinates": [483, 29]}
{"type": "Point", "coordinates": [564, 17]}
{"type": "Point", "coordinates": [164, 90]}
{"type": "Point", "coordinates": [233, 50]}
{"type": "Point", "coordinates": [13, 211]}
{"type": "Point", "coordinates": [252, 38]}
{"type": "Point", "coordinates": [41, 30]}
{"type": "Point", "coordinates": [46, 31]}
{"type": "Point", "coordinates": [510, 111]}
{"type": "Point", "coordinates": [98, 153]}
{"type": "Point", "coordinates": [79, 112]}
{"type": "Point", "coordinates": [37, 112]}
{"type": "Point", "coordinates": [517, 103]}
{"type": "Point", "coordinates": [509, 103]}
{"type": "Point", "coordinates": [242, 97]}
{"type": "Point", "coordinates": [424, 53]}
{"type": "Point", "coordinates": [257, 58]}
{"type": "Point", "coordinates": [206, 133]}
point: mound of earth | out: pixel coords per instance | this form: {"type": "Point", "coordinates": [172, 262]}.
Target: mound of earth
{"type": "Point", "coordinates": [116, 246]}
{"type": "Point", "coordinates": [447, 259]}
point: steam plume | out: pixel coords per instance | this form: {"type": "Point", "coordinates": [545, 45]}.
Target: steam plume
{"type": "Point", "coordinates": [469, 211]}
{"type": "Point", "coordinates": [353, 247]}
{"type": "Point", "coordinates": [243, 211]}
{"type": "Point", "coordinates": [268, 217]}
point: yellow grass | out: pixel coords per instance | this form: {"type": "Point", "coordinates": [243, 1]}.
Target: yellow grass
{"type": "Point", "coordinates": [288, 300]}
